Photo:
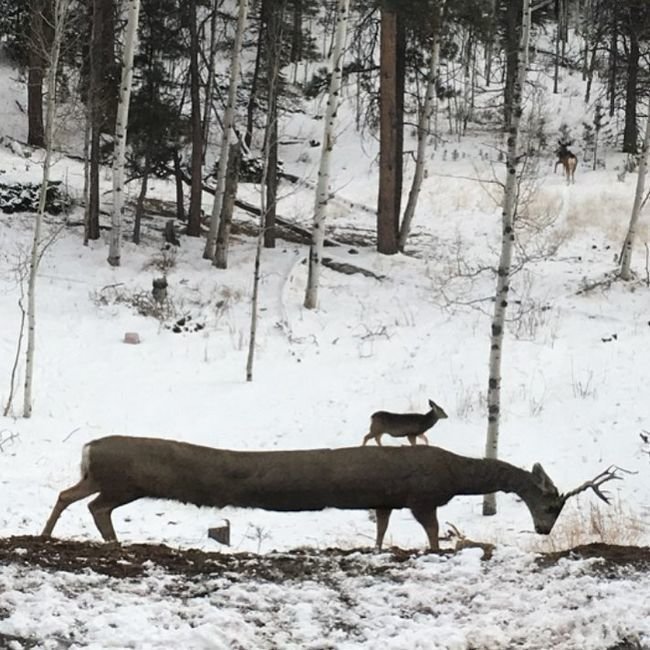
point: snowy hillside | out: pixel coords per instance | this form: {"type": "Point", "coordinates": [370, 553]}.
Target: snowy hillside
{"type": "Point", "coordinates": [575, 400]}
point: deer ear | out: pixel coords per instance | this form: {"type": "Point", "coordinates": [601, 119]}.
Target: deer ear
{"type": "Point", "coordinates": [542, 479]}
{"type": "Point", "coordinates": [432, 404]}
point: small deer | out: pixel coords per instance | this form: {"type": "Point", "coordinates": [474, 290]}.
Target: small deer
{"type": "Point", "coordinates": [404, 425]}
{"type": "Point", "coordinates": [120, 469]}
{"type": "Point", "coordinates": [568, 160]}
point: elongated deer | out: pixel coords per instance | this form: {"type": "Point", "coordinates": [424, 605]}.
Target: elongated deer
{"type": "Point", "coordinates": [121, 469]}
{"type": "Point", "coordinates": [568, 160]}
{"type": "Point", "coordinates": [403, 425]}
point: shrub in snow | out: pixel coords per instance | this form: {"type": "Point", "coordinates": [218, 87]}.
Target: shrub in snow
{"type": "Point", "coordinates": [23, 197]}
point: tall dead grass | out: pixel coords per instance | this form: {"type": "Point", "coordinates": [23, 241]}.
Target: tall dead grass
{"type": "Point", "coordinates": [582, 523]}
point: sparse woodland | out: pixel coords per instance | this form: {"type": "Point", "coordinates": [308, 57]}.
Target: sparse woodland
{"type": "Point", "coordinates": [155, 98]}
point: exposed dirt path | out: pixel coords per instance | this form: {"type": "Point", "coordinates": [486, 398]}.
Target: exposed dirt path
{"type": "Point", "coordinates": [136, 559]}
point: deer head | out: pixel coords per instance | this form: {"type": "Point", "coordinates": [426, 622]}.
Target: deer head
{"type": "Point", "coordinates": [545, 505]}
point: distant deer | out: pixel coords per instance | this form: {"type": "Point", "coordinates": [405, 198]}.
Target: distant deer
{"type": "Point", "coordinates": [404, 425]}
{"type": "Point", "coordinates": [121, 469]}
{"type": "Point", "coordinates": [568, 160]}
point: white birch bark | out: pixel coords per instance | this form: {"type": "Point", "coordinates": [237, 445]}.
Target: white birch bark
{"type": "Point", "coordinates": [228, 122]}
{"type": "Point", "coordinates": [60, 12]}
{"type": "Point", "coordinates": [505, 261]}
{"type": "Point", "coordinates": [121, 123]}
{"type": "Point", "coordinates": [628, 244]}
{"type": "Point", "coordinates": [250, 359]}
{"type": "Point", "coordinates": [329, 139]}
{"type": "Point", "coordinates": [423, 130]}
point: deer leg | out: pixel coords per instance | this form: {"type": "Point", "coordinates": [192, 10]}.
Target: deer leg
{"type": "Point", "coordinates": [383, 515]}
{"type": "Point", "coordinates": [428, 519]}
{"type": "Point", "coordinates": [426, 440]}
{"type": "Point", "coordinates": [370, 435]}
{"type": "Point", "coordinates": [413, 439]}
{"type": "Point", "coordinates": [81, 490]}
{"type": "Point", "coordinates": [101, 508]}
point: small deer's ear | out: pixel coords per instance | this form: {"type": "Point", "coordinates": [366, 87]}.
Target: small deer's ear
{"type": "Point", "coordinates": [542, 479]}
{"type": "Point", "coordinates": [432, 404]}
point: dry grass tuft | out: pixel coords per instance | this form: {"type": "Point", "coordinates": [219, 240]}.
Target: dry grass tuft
{"type": "Point", "coordinates": [594, 523]}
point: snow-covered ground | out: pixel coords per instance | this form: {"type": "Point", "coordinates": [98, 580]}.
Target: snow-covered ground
{"type": "Point", "coordinates": [574, 399]}
{"type": "Point", "coordinates": [452, 602]}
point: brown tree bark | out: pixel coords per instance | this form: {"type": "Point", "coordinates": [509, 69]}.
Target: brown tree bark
{"type": "Point", "coordinates": [178, 177]}
{"type": "Point", "coordinates": [613, 60]}
{"type": "Point", "coordinates": [512, 32]}
{"type": "Point", "coordinates": [630, 131]}
{"type": "Point", "coordinates": [194, 220]}
{"type": "Point", "coordinates": [273, 13]}
{"type": "Point", "coordinates": [102, 98]}
{"type": "Point", "coordinates": [296, 32]}
{"type": "Point", "coordinates": [35, 75]}
{"type": "Point", "coordinates": [252, 98]}
{"type": "Point", "coordinates": [391, 120]}
{"type": "Point", "coordinates": [139, 206]}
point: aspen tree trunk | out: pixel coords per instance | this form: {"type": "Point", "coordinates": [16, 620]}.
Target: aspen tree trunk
{"type": "Point", "coordinates": [256, 270]}
{"type": "Point", "coordinates": [121, 123]}
{"type": "Point", "coordinates": [264, 207]}
{"type": "Point", "coordinates": [329, 139]}
{"type": "Point", "coordinates": [507, 243]}
{"type": "Point", "coordinates": [60, 11]}
{"type": "Point", "coordinates": [423, 130]}
{"type": "Point", "coordinates": [228, 123]}
{"type": "Point", "coordinates": [626, 256]}
{"type": "Point", "coordinates": [228, 206]}
{"type": "Point", "coordinates": [256, 287]}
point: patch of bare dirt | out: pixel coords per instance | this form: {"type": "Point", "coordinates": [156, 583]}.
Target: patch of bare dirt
{"type": "Point", "coordinates": [611, 556]}
{"type": "Point", "coordinates": [135, 559]}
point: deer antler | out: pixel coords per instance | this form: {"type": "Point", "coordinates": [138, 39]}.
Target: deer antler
{"type": "Point", "coordinates": [608, 475]}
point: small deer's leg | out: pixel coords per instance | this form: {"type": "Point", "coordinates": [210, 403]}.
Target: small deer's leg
{"type": "Point", "coordinates": [413, 439]}
{"type": "Point", "coordinates": [428, 519]}
{"type": "Point", "coordinates": [383, 515]}
{"type": "Point", "coordinates": [77, 492]}
{"type": "Point", "coordinates": [424, 438]}
{"type": "Point", "coordinates": [367, 438]}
